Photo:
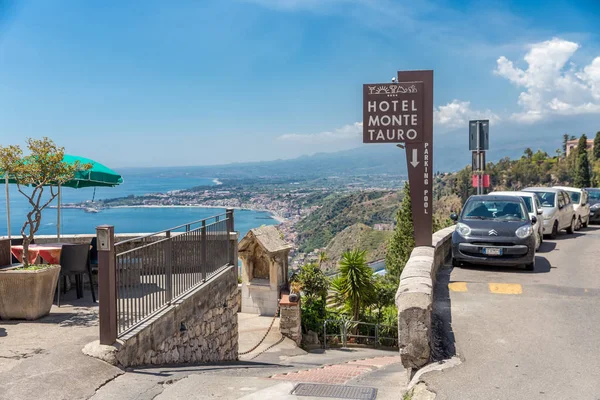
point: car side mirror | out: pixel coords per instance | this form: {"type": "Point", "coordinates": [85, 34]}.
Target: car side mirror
{"type": "Point", "coordinates": [540, 212]}
{"type": "Point", "coordinates": [454, 217]}
{"type": "Point", "coordinates": [533, 220]}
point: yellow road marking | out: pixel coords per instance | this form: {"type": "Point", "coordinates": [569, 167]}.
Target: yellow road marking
{"type": "Point", "coordinates": [505, 288]}
{"type": "Point", "coordinates": [458, 286]}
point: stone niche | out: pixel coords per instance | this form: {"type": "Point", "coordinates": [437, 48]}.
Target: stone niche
{"type": "Point", "coordinates": [264, 257]}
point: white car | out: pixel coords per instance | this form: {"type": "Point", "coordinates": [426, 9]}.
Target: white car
{"type": "Point", "coordinates": [534, 208]}
{"type": "Point", "coordinates": [581, 204]}
{"type": "Point", "coordinates": [557, 207]}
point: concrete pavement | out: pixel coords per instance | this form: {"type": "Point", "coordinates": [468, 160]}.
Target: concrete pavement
{"type": "Point", "coordinates": [524, 335]}
{"type": "Point", "coordinates": [43, 360]}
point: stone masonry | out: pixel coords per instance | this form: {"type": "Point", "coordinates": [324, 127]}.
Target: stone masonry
{"type": "Point", "coordinates": [290, 321]}
{"type": "Point", "coordinates": [201, 327]}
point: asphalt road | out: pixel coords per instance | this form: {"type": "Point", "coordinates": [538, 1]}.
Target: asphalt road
{"type": "Point", "coordinates": [525, 335]}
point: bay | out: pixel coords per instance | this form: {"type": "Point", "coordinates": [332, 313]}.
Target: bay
{"type": "Point", "coordinates": [130, 219]}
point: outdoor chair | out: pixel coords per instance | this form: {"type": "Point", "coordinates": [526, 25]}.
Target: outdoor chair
{"type": "Point", "coordinates": [18, 242]}
{"type": "Point", "coordinates": [75, 260]}
{"type": "Point", "coordinates": [94, 253]}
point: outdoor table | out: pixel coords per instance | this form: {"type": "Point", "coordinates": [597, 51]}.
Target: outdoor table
{"type": "Point", "coordinates": [48, 252]}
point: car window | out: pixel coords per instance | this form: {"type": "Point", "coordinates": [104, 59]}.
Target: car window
{"type": "Point", "coordinates": [561, 199]}
{"type": "Point", "coordinates": [594, 195]}
{"type": "Point", "coordinates": [547, 198]}
{"type": "Point", "coordinates": [538, 205]}
{"type": "Point", "coordinates": [505, 210]}
{"type": "Point", "coordinates": [528, 203]}
{"type": "Point", "coordinates": [575, 197]}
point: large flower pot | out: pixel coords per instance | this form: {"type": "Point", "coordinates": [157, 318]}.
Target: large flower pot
{"type": "Point", "coordinates": [27, 294]}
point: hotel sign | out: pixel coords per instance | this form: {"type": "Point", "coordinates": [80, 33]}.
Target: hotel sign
{"type": "Point", "coordinates": [403, 113]}
{"type": "Point", "coordinates": [393, 112]}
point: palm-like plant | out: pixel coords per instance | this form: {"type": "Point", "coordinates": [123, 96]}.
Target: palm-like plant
{"type": "Point", "coordinates": [356, 281]}
{"type": "Point", "coordinates": [323, 258]}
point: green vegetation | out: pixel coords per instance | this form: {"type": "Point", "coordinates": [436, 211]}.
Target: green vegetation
{"type": "Point", "coordinates": [355, 294]}
{"type": "Point", "coordinates": [343, 210]}
{"type": "Point", "coordinates": [402, 242]}
{"type": "Point", "coordinates": [34, 267]}
{"type": "Point", "coordinates": [43, 167]}
{"type": "Point", "coordinates": [359, 236]}
{"type": "Point", "coordinates": [582, 177]}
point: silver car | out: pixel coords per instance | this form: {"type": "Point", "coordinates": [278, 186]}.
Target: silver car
{"type": "Point", "coordinates": [557, 208]}
{"type": "Point", "coordinates": [534, 208]}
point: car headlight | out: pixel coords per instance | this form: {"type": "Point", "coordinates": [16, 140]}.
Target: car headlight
{"type": "Point", "coordinates": [524, 231]}
{"type": "Point", "coordinates": [548, 216]}
{"type": "Point", "coordinates": [595, 207]}
{"type": "Point", "coordinates": [463, 229]}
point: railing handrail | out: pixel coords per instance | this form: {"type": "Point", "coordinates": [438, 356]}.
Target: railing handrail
{"type": "Point", "coordinates": [170, 229]}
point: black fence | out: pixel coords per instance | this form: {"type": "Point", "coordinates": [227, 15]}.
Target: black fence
{"type": "Point", "coordinates": [155, 270]}
{"type": "Point", "coordinates": [345, 333]}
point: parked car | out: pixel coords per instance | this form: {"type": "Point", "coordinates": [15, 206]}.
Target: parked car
{"type": "Point", "coordinates": [558, 212]}
{"type": "Point", "coordinates": [494, 230]}
{"type": "Point", "coordinates": [579, 198]}
{"type": "Point", "coordinates": [534, 208]}
{"type": "Point", "coordinates": [594, 202]}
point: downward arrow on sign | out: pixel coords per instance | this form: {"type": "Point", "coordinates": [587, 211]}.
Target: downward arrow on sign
{"type": "Point", "coordinates": [414, 161]}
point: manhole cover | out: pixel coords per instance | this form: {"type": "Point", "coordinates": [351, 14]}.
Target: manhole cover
{"type": "Point", "coordinates": [335, 391]}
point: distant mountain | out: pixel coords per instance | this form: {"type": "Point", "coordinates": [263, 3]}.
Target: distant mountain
{"type": "Point", "coordinates": [450, 154]}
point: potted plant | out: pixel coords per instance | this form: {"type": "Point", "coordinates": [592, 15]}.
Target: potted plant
{"type": "Point", "coordinates": [26, 292]}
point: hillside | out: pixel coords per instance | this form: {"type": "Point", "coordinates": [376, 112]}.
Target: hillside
{"type": "Point", "coordinates": [358, 236]}
{"type": "Point", "coordinates": [341, 211]}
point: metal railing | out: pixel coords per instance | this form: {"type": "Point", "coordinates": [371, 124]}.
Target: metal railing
{"type": "Point", "coordinates": [152, 271]}
{"type": "Point", "coordinates": [346, 332]}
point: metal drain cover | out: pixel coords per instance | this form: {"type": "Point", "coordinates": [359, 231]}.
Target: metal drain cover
{"type": "Point", "coordinates": [335, 391]}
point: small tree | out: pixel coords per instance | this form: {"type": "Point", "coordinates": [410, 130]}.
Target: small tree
{"type": "Point", "coordinates": [313, 281]}
{"type": "Point", "coordinates": [597, 147]}
{"type": "Point", "coordinates": [323, 257]}
{"type": "Point", "coordinates": [357, 284]}
{"type": "Point", "coordinates": [43, 167]}
{"type": "Point", "coordinates": [582, 167]}
{"type": "Point", "coordinates": [402, 242]}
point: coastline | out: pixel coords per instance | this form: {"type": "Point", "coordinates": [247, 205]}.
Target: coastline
{"type": "Point", "coordinates": [276, 217]}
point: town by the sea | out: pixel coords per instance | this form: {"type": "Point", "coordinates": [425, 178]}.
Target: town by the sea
{"type": "Point", "coordinates": [128, 219]}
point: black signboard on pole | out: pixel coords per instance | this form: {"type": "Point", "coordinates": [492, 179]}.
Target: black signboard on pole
{"type": "Point", "coordinates": [403, 113]}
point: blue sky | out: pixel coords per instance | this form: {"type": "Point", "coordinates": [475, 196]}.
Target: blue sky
{"type": "Point", "coordinates": [153, 83]}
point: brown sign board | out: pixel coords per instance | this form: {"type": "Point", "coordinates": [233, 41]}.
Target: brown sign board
{"type": "Point", "coordinates": [393, 112]}
{"type": "Point", "coordinates": [412, 120]}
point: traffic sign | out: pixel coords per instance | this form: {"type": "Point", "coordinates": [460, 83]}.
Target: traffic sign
{"type": "Point", "coordinates": [484, 135]}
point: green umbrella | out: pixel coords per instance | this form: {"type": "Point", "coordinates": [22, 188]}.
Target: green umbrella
{"type": "Point", "coordinates": [98, 175]}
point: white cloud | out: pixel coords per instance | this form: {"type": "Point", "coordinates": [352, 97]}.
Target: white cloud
{"type": "Point", "coordinates": [551, 86]}
{"type": "Point", "coordinates": [457, 114]}
{"type": "Point", "coordinates": [346, 132]}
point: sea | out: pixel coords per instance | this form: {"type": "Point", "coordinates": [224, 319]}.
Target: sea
{"type": "Point", "coordinates": [130, 219]}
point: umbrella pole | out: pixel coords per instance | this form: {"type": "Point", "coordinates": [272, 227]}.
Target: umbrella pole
{"type": "Point", "coordinates": [7, 205]}
{"type": "Point", "coordinates": [58, 215]}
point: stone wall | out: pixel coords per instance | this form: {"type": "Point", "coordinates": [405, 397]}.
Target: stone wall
{"type": "Point", "coordinates": [202, 327]}
{"type": "Point", "coordinates": [414, 299]}
{"type": "Point", "coordinates": [290, 321]}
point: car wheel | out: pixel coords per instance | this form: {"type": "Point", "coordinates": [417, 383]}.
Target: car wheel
{"type": "Point", "coordinates": [586, 223]}
{"type": "Point", "coordinates": [554, 230]}
{"type": "Point", "coordinates": [530, 266]}
{"type": "Point", "coordinates": [578, 224]}
{"type": "Point", "coordinates": [571, 227]}
{"type": "Point", "coordinates": [455, 262]}
{"type": "Point", "coordinates": [538, 241]}
{"type": "Point", "coordinates": [541, 238]}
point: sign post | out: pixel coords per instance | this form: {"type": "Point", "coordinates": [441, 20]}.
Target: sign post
{"type": "Point", "coordinates": [402, 112]}
{"type": "Point", "coordinates": [479, 142]}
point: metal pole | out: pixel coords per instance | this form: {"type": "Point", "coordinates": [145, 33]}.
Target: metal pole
{"type": "Point", "coordinates": [7, 205]}
{"type": "Point", "coordinates": [107, 284]}
{"type": "Point", "coordinates": [478, 162]}
{"type": "Point", "coordinates": [58, 215]}
{"type": "Point", "coordinates": [204, 255]}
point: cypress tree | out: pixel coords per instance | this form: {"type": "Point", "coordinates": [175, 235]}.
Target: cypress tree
{"type": "Point", "coordinates": [582, 169]}
{"type": "Point", "coordinates": [597, 146]}
{"type": "Point", "coordinates": [402, 242]}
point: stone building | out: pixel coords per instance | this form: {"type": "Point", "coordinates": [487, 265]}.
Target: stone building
{"type": "Point", "coordinates": [264, 256]}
